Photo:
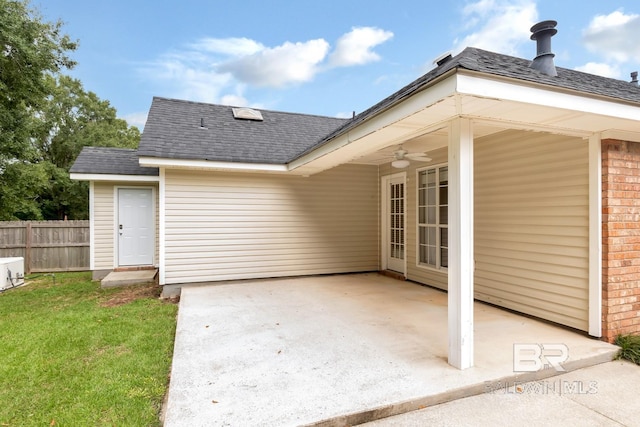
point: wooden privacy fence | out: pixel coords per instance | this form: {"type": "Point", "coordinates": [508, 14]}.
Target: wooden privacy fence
{"type": "Point", "coordinates": [47, 246]}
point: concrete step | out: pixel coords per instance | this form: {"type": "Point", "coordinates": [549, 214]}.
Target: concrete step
{"type": "Point", "coordinates": [125, 278]}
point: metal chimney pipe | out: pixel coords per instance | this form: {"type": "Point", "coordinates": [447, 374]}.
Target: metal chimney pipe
{"type": "Point", "coordinates": [634, 77]}
{"type": "Point", "coordinates": [542, 33]}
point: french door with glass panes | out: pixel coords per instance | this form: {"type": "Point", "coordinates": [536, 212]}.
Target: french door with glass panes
{"type": "Point", "coordinates": [394, 222]}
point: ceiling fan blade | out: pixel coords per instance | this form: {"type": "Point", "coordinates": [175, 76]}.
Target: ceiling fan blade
{"type": "Point", "coordinates": [420, 157]}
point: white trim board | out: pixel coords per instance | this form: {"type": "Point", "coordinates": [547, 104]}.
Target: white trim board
{"type": "Point", "coordinates": [621, 135]}
{"type": "Point", "coordinates": [162, 224]}
{"type": "Point", "coordinates": [205, 164]}
{"type": "Point", "coordinates": [595, 236]}
{"type": "Point", "coordinates": [92, 226]}
{"type": "Point", "coordinates": [113, 177]}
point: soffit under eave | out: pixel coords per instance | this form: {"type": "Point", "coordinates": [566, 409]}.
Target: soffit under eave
{"type": "Point", "coordinates": [425, 111]}
{"type": "Point", "coordinates": [428, 109]}
{"type": "Point", "coordinates": [558, 109]}
{"type": "Point", "coordinates": [420, 133]}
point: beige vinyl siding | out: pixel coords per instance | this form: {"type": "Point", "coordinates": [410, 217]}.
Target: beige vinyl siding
{"type": "Point", "coordinates": [104, 222]}
{"type": "Point", "coordinates": [228, 226]}
{"type": "Point", "coordinates": [415, 272]}
{"type": "Point", "coordinates": [531, 225]}
{"type": "Point", "coordinates": [103, 225]}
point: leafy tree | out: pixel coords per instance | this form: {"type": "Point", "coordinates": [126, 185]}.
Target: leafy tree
{"type": "Point", "coordinates": [20, 185]}
{"type": "Point", "coordinates": [71, 119]}
{"type": "Point", "coordinates": [29, 50]}
{"type": "Point", "coordinates": [45, 119]}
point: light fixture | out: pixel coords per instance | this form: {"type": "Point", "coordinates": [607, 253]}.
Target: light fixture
{"type": "Point", "coordinates": [403, 157]}
{"type": "Point", "coordinates": [400, 163]}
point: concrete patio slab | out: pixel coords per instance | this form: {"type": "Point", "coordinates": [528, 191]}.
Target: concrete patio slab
{"type": "Point", "coordinates": [338, 350]}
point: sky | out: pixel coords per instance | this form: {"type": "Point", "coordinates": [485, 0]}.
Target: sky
{"type": "Point", "coordinates": [323, 57]}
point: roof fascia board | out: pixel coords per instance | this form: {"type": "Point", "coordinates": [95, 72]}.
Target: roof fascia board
{"type": "Point", "coordinates": [621, 135]}
{"type": "Point", "coordinates": [206, 164]}
{"type": "Point", "coordinates": [404, 107]}
{"type": "Point", "coordinates": [113, 177]}
{"type": "Point", "coordinates": [478, 84]}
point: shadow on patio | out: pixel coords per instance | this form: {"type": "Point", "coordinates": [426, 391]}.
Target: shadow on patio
{"type": "Point", "coordinates": [338, 350]}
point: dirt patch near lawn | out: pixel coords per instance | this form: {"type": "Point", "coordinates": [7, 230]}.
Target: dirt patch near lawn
{"type": "Point", "coordinates": [131, 293]}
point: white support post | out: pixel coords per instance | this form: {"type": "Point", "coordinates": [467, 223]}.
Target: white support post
{"type": "Point", "coordinates": [92, 226]}
{"type": "Point", "coordinates": [461, 262]}
{"type": "Point", "coordinates": [162, 224]}
{"type": "Point", "coordinates": [595, 236]}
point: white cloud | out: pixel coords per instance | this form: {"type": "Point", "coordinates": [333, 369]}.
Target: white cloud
{"type": "Point", "coordinates": [238, 100]}
{"type": "Point", "coordinates": [475, 12]}
{"type": "Point", "coordinates": [497, 25]}
{"type": "Point", "coordinates": [614, 36]}
{"type": "Point", "coordinates": [136, 119]}
{"type": "Point", "coordinates": [354, 48]}
{"type": "Point", "coordinates": [218, 70]}
{"type": "Point", "coordinates": [601, 69]}
{"type": "Point", "coordinates": [234, 100]}
{"type": "Point", "coordinates": [279, 66]}
{"type": "Point", "coordinates": [230, 46]}
{"type": "Point", "coordinates": [189, 75]}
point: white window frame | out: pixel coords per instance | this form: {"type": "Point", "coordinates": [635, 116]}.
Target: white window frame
{"type": "Point", "coordinates": [438, 226]}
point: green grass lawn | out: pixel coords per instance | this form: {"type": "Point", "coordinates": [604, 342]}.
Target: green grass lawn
{"type": "Point", "coordinates": [72, 354]}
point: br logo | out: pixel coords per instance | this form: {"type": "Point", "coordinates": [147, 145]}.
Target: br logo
{"type": "Point", "coordinates": [535, 357]}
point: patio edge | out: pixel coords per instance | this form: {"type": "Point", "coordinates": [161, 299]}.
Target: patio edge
{"type": "Point", "coordinates": [384, 411]}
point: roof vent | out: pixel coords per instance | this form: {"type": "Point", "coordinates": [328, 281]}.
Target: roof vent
{"type": "Point", "coordinates": [634, 77]}
{"type": "Point", "coordinates": [542, 33]}
{"type": "Point", "coordinates": [247, 114]}
{"type": "Point", "coordinates": [445, 57]}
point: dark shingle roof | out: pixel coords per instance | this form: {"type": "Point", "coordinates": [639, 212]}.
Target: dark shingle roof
{"type": "Point", "coordinates": [107, 160]}
{"type": "Point", "coordinates": [483, 61]}
{"type": "Point", "coordinates": [173, 131]}
{"type": "Point", "coordinates": [173, 126]}
{"type": "Point", "coordinates": [518, 68]}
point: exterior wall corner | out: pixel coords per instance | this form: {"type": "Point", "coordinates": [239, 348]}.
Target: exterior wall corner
{"type": "Point", "coordinates": [620, 238]}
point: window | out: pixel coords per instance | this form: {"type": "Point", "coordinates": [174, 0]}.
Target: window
{"type": "Point", "coordinates": [433, 220]}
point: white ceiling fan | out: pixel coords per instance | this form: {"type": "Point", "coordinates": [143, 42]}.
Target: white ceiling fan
{"type": "Point", "coordinates": [403, 157]}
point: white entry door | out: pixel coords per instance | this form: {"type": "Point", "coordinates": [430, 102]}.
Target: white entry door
{"type": "Point", "coordinates": [394, 223]}
{"type": "Point", "coordinates": [136, 226]}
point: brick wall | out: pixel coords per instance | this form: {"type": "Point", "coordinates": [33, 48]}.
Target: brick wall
{"type": "Point", "coordinates": [620, 238]}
